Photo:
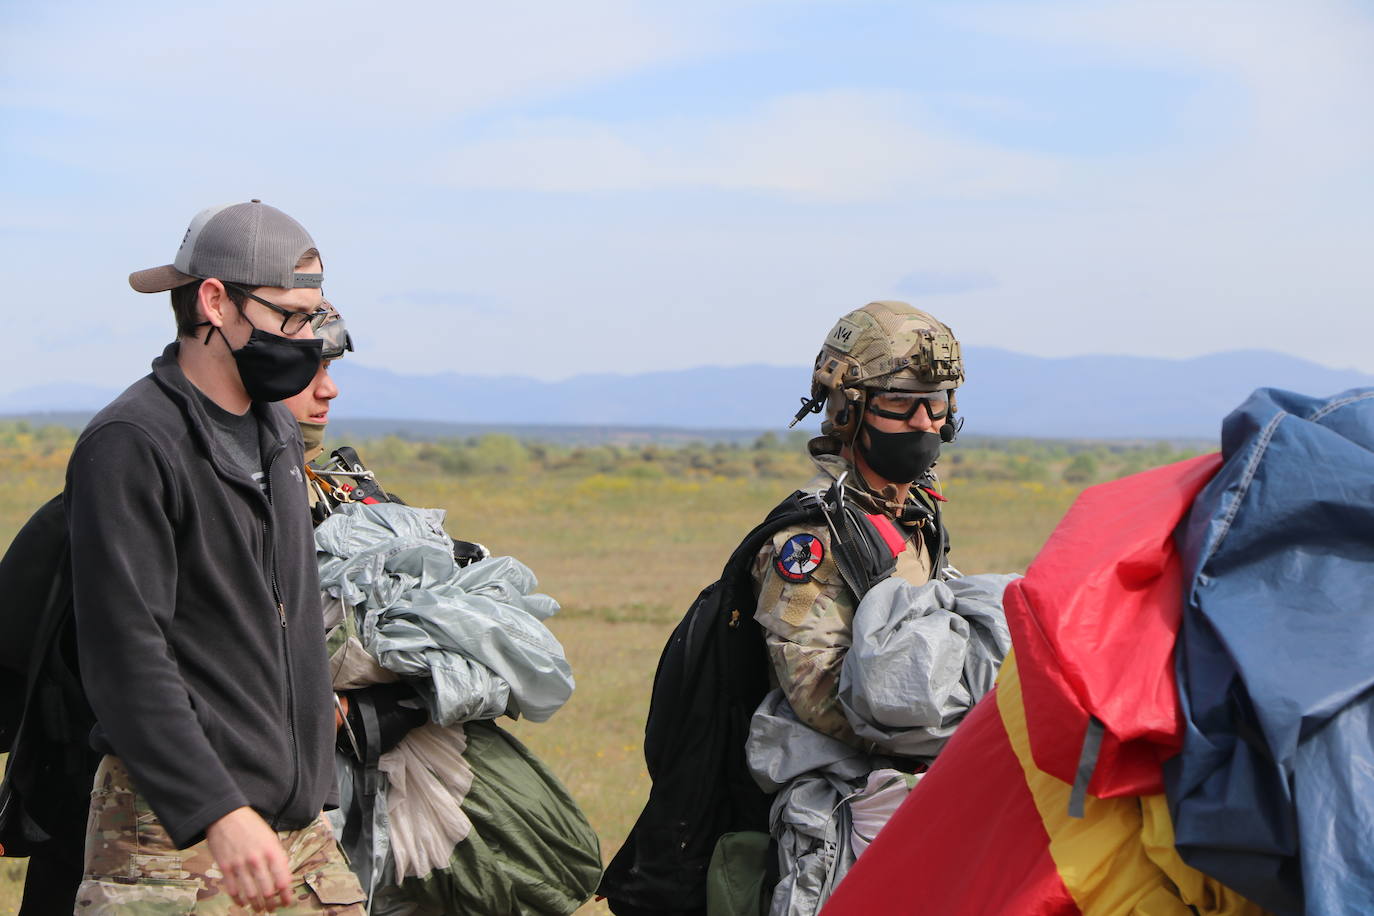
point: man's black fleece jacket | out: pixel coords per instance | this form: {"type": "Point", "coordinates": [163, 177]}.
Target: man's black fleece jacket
{"type": "Point", "coordinates": [198, 611]}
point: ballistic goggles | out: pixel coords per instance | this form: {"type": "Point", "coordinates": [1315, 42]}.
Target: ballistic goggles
{"type": "Point", "coordinates": [900, 405]}
{"type": "Point", "coordinates": [333, 334]}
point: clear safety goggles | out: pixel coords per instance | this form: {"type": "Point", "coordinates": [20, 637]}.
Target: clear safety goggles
{"type": "Point", "coordinates": [334, 336]}
{"type": "Point", "coordinates": [900, 405]}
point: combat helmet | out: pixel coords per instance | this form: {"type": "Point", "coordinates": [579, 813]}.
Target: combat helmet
{"type": "Point", "coordinates": [884, 345]}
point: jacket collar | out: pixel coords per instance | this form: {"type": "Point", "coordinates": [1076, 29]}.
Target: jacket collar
{"type": "Point", "coordinates": [830, 463]}
{"type": "Point", "coordinates": [273, 432]}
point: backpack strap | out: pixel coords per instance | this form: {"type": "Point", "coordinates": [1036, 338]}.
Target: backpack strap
{"type": "Point", "coordinates": [865, 545]}
{"type": "Point", "coordinates": [936, 536]}
{"type": "Point", "coordinates": [710, 678]}
{"type": "Point", "coordinates": [733, 590]}
{"type": "Point", "coordinates": [799, 508]}
{"type": "Point", "coordinates": [887, 531]}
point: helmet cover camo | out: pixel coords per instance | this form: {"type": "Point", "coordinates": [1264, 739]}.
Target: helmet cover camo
{"type": "Point", "coordinates": [885, 344]}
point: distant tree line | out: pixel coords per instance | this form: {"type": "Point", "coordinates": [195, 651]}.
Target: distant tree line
{"type": "Point", "coordinates": [770, 456]}
{"type": "Point", "coordinates": [27, 447]}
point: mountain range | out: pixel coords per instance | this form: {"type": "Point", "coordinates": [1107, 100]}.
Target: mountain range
{"type": "Point", "coordinates": [1008, 394]}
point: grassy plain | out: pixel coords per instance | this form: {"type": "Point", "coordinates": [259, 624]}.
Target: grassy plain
{"type": "Point", "coordinates": [625, 542]}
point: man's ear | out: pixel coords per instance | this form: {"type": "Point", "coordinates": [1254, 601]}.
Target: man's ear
{"type": "Point", "coordinates": [214, 302]}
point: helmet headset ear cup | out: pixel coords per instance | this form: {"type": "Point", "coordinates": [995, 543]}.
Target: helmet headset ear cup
{"type": "Point", "coordinates": [848, 418]}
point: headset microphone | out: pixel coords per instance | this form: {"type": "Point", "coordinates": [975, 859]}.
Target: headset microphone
{"type": "Point", "coordinates": [951, 429]}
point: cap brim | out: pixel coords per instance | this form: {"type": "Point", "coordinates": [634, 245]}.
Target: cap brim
{"type": "Point", "coordinates": [159, 279]}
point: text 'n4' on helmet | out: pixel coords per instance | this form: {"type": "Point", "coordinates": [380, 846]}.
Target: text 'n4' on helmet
{"type": "Point", "coordinates": [886, 344]}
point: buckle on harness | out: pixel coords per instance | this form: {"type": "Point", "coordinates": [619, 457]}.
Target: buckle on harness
{"type": "Point", "coordinates": [864, 554]}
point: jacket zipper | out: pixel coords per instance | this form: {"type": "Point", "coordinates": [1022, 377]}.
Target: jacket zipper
{"type": "Point", "coordinates": [285, 647]}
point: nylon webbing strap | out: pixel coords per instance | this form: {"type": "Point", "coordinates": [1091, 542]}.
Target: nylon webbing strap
{"type": "Point", "coordinates": [372, 740]}
{"type": "Point", "coordinates": [361, 818]}
{"type": "Point", "coordinates": [1087, 762]}
{"type": "Point", "coordinates": [358, 829]}
{"type": "Point", "coordinates": [842, 541]}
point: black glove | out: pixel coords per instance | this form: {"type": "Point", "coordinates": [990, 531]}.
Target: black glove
{"type": "Point", "coordinates": [379, 717]}
{"type": "Point", "coordinates": [465, 552]}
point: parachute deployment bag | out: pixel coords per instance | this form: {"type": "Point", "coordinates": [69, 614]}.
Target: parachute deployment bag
{"type": "Point", "coordinates": [712, 675]}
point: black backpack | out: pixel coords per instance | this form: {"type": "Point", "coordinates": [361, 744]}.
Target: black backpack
{"type": "Point", "coordinates": [712, 675]}
{"type": "Point", "coordinates": [46, 789]}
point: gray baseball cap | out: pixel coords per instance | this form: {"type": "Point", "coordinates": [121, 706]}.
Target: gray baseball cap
{"type": "Point", "coordinates": [250, 244]}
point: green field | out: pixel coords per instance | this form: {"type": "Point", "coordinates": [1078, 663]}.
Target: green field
{"type": "Point", "coordinates": [624, 538]}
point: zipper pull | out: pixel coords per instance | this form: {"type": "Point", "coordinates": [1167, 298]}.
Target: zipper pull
{"type": "Point", "coordinates": [281, 612]}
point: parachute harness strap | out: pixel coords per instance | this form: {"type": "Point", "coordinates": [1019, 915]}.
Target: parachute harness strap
{"type": "Point", "coordinates": [836, 493]}
{"type": "Point", "coordinates": [330, 488]}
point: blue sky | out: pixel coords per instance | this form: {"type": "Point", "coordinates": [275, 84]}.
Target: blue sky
{"type": "Point", "coordinates": [549, 189]}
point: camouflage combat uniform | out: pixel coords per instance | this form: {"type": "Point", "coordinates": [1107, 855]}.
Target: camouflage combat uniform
{"type": "Point", "coordinates": [134, 869]}
{"type": "Point", "coordinates": [808, 624]}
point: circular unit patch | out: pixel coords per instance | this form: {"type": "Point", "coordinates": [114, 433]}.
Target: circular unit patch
{"type": "Point", "coordinates": [797, 559]}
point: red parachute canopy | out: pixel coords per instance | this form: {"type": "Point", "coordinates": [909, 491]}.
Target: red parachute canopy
{"type": "Point", "coordinates": [1093, 627]}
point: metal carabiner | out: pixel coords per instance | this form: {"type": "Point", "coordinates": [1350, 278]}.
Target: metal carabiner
{"type": "Point", "coordinates": [836, 488]}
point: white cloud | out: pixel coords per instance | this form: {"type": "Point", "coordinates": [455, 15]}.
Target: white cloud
{"type": "Point", "coordinates": [1244, 224]}
{"type": "Point", "coordinates": [283, 70]}
{"type": "Point", "coordinates": [829, 146]}
{"type": "Point", "coordinates": [1306, 68]}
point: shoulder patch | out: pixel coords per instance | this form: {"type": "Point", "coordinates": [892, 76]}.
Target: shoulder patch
{"type": "Point", "coordinates": [798, 557]}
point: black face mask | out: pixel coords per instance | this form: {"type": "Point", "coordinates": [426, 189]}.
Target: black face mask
{"type": "Point", "coordinates": [273, 367]}
{"type": "Point", "coordinates": [899, 457]}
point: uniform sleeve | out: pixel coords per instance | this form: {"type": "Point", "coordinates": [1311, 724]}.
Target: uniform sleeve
{"type": "Point", "coordinates": [121, 499]}
{"type": "Point", "coordinates": [808, 631]}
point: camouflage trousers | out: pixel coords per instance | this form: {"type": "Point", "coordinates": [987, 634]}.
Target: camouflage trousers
{"type": "Point", "coordinates": [132, 868]}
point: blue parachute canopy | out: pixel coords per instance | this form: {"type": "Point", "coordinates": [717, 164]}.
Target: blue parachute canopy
{"type": "Point", "coordinates": [1273, 793]}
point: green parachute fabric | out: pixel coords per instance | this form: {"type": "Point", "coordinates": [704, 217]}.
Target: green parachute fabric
{"type": "Point", "coordinates": [406, 603]}
{"type": "Point", "coordinates": [531, 849]}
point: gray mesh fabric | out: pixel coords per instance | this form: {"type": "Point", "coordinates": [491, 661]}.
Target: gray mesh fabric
{"type": "Point", "coordinates": [249, 243]}
{"type": "Point", "coordinates": [888, 342]}
{"type": "Point", "coordinates": [885, 344]}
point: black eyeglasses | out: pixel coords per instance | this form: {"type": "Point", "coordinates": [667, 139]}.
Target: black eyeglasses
{"type": "Point", "coordinates": [900, 405]}
{"type": "Point", "coordinates": [292, 322]}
